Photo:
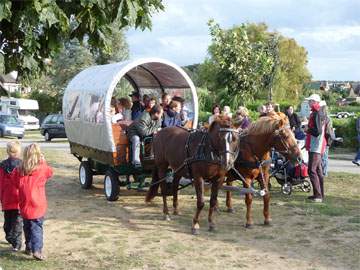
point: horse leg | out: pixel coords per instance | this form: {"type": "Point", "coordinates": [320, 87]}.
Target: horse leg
{"type": "Point", "coordinates": [248, 201]}
{"type": "Point", "coordinates": [162, 175]}
{"type": "Point", "coordinates": [175, 187]}
{"type": "Point", "coordinates": [266, 198]}
{"type": "Point", "coordinates": [213, 201]}
{"type": "Point", "coordinates": [229, 206]}
{"type": "Point", "coordinates": [199, 188]}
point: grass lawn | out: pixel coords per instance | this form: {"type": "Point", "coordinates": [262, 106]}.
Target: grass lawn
{"type": "Point", "coordinates": [84, 231]}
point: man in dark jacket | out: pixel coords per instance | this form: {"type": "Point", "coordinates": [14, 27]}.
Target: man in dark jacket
{"type": "Point", "coordinates": [146, 125]}
{"type": "Point", "coordinates": [294, 119]}
{"type": "Point", "coordinates": [137, 108]}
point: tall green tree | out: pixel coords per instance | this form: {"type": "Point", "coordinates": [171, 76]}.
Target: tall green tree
{"type": "Point", "coordinates": [118, 49]}
{"type": "Point", "coordinates": [291, 73]}
{"type": "Point", "coordinates": [32, 31]}
{"type": "Point", "coordinates": [237, 65]}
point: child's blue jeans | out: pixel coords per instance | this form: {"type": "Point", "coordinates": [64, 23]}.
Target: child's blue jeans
{"type": "Point", "coordinates": [33, 231]}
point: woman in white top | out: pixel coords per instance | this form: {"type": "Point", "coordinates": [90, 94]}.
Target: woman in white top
{"type": "Point", "coordinates": [227, 112]}
{"type": "Point", "coordinates": [216, 111]}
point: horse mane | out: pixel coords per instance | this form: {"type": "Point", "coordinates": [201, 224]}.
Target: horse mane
{"type": "Point", "coordinates": [222, 120]}
{"type": "Point", "coordinates": [267, 124]}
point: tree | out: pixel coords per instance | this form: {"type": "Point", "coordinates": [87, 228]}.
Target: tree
{"type": "Point", "coordinates": [237, 65]}
{"type": "Point", "coordinates": [249, 62]}
{"type": "Point", "coordinates": [292, 73]}
{"type": "Point", "coordinates": [33, 31]}
{"type": "Point", "coordinates": [118, 49]}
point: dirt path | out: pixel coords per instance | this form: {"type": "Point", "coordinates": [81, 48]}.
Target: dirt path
{"type": "Point", "coordinates": [84, 231]}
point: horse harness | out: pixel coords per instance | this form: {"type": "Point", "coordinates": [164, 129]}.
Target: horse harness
{"type": "Point", "coordinates": [204, 152]}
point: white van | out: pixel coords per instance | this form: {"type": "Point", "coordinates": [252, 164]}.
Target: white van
{"type": "Point", "coordinates": [22, 108]}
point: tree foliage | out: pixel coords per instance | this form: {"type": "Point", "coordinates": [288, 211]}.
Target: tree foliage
{"type": "Point", "coordinates": [32, 31]}
{"type": "Point", "coordinates": [238, 65]}
{"type": "Point", "coordinates": [246, 62]}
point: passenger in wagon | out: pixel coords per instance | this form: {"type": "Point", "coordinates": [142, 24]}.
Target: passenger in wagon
{"type": "Point", "coordinates": [183, 113]}
{"type": "Point", "coordinates": [172, 115]}
{"type": "Point", "coordinates": [124, 107]}
{"type": "Point", "coordinates": [149, 102]}
{"type": "Point", "coordinates": [137, 108]}
{"type": "Point", "coordinates": [147, 125]}
{"type": "Point", "coordinates": [165, 101]}
{"type": "Point", "coordinates": [115, 117]}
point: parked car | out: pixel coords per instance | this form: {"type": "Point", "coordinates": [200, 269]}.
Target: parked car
{"type": "Point", "coordinates": [344, 114]}
{"type": "Point", "coordinates": [11, 126]}
{"type": "Point", "coordinates": [53, 127]}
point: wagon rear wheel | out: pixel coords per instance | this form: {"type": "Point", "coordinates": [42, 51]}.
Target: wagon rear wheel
{"type": "Point", "coordinates": [111, 186]}
{"type": "Point", "coordinates": [85, 175]}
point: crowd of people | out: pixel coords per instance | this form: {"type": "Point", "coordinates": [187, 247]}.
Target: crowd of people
{"type": "Point", "coordinates": [147, 116]}
{"type": "Point", "coordinates": [317, 132]}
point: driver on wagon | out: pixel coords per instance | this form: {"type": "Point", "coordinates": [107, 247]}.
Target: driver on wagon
{"type": "Point", "coordinates": [147, 125]}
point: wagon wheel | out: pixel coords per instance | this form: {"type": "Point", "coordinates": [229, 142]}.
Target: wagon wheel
{"type": "Point", "coordinates": [306, 186]}
{"type": "Point", "coordinates": [85, 175]}
{"type": "Point", "coordinates": [111, 186]}
{"type": "Point", "coordinates": [286, 189]}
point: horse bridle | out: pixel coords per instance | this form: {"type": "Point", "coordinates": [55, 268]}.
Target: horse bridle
{"type": "Point", "coordinates": [229, 135]}
{"type": "Point", "coordinates": [288, 150]}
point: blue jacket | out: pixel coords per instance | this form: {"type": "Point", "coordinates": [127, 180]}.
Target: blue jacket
{"type": "Point", "coordinates": [171, 119]}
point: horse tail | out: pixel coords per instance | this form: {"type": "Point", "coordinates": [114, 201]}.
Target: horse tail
{"type": "Point", "coordinates": [154, 186]}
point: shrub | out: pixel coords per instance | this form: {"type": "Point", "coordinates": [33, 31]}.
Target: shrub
{"type": "Point", "coordinates": [346, 129]}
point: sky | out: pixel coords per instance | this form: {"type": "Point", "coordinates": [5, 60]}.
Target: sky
{"type": "Point", "coordinates": [328, 29]}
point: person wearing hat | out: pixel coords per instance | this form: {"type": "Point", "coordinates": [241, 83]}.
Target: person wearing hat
{"type": "Point", "coordinates": [137, 108]}
{"type": "Point", "coordinates": [315, 144]}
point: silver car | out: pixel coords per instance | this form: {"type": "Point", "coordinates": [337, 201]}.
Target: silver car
{"type": "Point", "coordinates": [11, 126]}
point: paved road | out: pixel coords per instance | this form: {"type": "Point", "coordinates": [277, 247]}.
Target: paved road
{"type": "Point", "coordinates": [336, 165]}
{"type": "Point", "coordinates": [55, 144]}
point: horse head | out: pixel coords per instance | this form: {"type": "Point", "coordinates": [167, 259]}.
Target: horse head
{"type": "Point", "coordinates": [275, 128]}
{"type": "Point", "coordinates": [284, 140]}
{"type": "Point", "coordinates": [224, 140]}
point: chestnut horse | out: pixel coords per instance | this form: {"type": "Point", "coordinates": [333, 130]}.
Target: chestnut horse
{"type": "Point", "coordinates": [199, 155]}
{"type": "Point", "coordinates": [253, 161]}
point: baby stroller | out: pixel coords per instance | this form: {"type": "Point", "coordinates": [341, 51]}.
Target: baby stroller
{"type": "Point", "coordinates": [291, 176]}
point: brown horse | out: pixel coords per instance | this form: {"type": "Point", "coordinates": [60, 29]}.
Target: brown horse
{"type": "Point", "coordinates": [253, 161]}
{"type": "Point", "coordinates": [200, 155]}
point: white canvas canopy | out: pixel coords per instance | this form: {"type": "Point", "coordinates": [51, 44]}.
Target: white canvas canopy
{"type": "Point", "coordinates": [87, 98]}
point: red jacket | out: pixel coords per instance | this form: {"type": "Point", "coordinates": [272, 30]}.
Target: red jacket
{"type": "Point", "coordinates": [9, 194]}
{"type": "Point", "coordinates": [32, 195]}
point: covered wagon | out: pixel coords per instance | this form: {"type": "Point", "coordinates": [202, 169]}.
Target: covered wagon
{"type": "Point", "coordinates": [101, 146]}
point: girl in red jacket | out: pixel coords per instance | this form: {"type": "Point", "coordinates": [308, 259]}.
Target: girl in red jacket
{"type": "Point", "coordinates": [9, 196]}
{"type": "Point", "coordinates": [31, 178]}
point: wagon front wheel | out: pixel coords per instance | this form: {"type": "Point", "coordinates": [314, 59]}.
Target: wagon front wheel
{"type": "Point", "coordinates": [111, 186]}
{"type": "Point", "coordinates": [85, 175]}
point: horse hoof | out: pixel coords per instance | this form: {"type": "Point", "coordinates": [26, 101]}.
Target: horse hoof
{"type": "Point", "coordinates": [176, 213]}
{"type": "Point", "coordinates": [231, 210]}
{"type": "Point", "coordinates": [248, 226]}
{"type": "Point", "coordinates": [212, 228]}
{"type": "Point", "coordinates": [167, 218]}
{"type": "Point", "coordinates": [267, 223]}
{"type": "Point", "coordinates": [194, 231]}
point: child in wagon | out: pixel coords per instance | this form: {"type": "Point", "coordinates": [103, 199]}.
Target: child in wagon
{"type": "Point", "coordinates": [9, 196]}
{"type": "Point", "coordinates": [30, 179]}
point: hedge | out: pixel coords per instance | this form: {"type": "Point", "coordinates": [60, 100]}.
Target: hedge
{"type": "Point", "coordinates": [346, 128]}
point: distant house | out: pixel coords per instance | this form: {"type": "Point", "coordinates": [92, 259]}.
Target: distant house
{"type": "Point", "coordinates": [9, 83]}
{"type": "Point", "coordinates": [325, 86]}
